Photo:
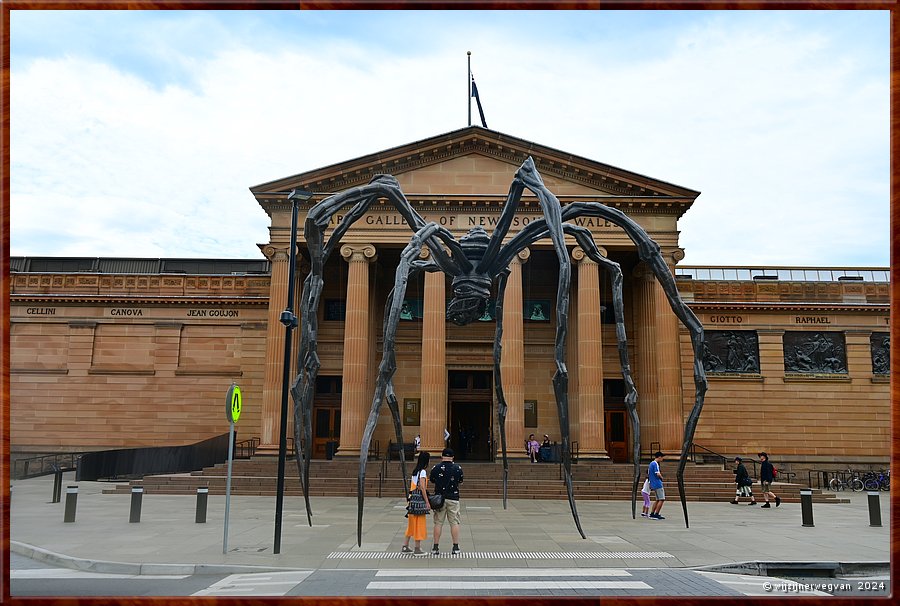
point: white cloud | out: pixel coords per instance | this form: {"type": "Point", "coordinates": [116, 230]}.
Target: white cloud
{"type": "Point", "coordinates": [784, 132]}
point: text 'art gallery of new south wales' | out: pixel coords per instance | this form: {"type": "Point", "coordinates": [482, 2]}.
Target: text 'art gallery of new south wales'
{"type": "Point", "coordinates": [120, 353]}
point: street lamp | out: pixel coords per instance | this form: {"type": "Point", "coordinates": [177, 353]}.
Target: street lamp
{"type": "Point", "coordinates": [289, 319]}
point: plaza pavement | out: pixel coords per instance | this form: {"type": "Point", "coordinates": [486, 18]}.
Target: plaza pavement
{"type": "Point", "coordinates": [529, 533]}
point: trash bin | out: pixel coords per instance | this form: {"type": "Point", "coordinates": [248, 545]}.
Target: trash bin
{"type": "Point", "coordinates": [330, 449]}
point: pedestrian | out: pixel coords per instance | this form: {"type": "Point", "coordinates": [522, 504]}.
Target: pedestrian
{"type": "Point", "coordinates": [766, 477]}
{"type": "Point", "coordinates": [645, 492]}
{"type": "Point", "coordinates": [418, 507]}
{"type": "Point", "coordinates": [546, 450]}
{"type": "Point", "coordinates": [446, 477]}
{"type": "Point", "coordinates": [532, 448]}
{"type": "Point", "coordinates": [655, 479]}
{"type": "Point", "coordinates": [743, 481]}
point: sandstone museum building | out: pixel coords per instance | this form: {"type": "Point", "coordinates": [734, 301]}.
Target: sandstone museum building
{"type": "Point", "coordinates": [125, 352]}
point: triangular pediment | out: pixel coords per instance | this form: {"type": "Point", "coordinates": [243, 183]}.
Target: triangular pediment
{"type": "Point", "coordinates": [475, 161]}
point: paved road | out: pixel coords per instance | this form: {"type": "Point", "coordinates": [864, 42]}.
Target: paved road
{"type": "Point", "coordinates": [31, 578]}
{"type": "Point", "coordinates": [529, 544]}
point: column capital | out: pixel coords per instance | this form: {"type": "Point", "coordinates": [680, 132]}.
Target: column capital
{"type": "Point", "coordinates": [580, 256]}
{"type": "Point", "coordinates": [522, 256]}
{"type": "Point", "coordinates": [643, 272]}
{"type": "Point", "coordinates": [275, 253]}
{"type": "Point", "coordinates": [672, 256]}
{"type": "Point", "coordinates": [358, 253]}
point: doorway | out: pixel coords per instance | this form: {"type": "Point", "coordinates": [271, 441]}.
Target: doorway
{"type": "Point", "coordinates": [326, 417]}
{"type": "Point", "coordinates": [470, 421]}
{"type": "Point", "coordinates": [616, 426]}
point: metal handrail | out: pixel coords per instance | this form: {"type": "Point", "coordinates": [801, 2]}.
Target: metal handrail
{"type": "Point", "coordinates": [37, 466]}
{"type": "Point", "coordinates": [693, 454]}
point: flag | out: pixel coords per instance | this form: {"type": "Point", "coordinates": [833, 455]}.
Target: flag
{"type": "Point", "coordinates": [478, 101]}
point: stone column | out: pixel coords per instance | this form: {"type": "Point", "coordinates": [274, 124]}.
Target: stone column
{"type": "Point", "coordinates": [512, 363]}
{"type": "Point", "coordinates": [433, 418]}
{"type": "Point", "coordinates": [670, 396]}
{"type": "Point", "coordinates": [270, 414]}
{"type": "Point", "coordinates": [591, 441]}
{"type": "Point", "coordinates": [356, 399]}
{"type": "Point", "coordinates": [645, 354]}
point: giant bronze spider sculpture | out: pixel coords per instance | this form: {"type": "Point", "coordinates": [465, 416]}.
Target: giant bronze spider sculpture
{"type": "Point", "coordinates": [475, 262]}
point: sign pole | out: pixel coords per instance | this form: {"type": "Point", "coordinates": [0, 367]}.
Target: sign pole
{"type": "Point", "coordinates": [233, 405]}
{"type": "Point", "coordinates": [228, 484]}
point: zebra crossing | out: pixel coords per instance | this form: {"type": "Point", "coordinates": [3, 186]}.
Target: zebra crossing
{"type": "Point", "coordinates": [256, 584]}
{"type": "Point", "coordinates": [506, 580]}
{"type": "Point", "coordinates": [505, 555]}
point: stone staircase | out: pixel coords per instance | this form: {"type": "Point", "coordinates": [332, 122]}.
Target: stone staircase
{"type": "Point", "coordinates": [594, 480]}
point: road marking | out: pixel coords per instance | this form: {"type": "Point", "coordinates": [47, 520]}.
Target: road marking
{"type": "Point", "coordinates": [260, 583]}
{"type": "Point", "coordinates": [463, 585]}
{"type": "Point", "coordinates": [68, 573]}
{"type": "Point", "coordinates": [506, 555]}
{"type": "Point", "coordinates": [755, 585]}
{"type": "Point", "coordinates": [512, 572]}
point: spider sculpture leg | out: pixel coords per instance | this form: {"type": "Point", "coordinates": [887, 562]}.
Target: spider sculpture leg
{"type": "Point", "coordinates": [651, 255]}
{"type": "Point", "coordinates": [649, 252]}
{"type": "Point", "coordinates": [498, 381]}
{"type": "Point", "coordinates": [389, 362]}
{"type": "Point", "coordinates": [586, 241]}
{"type": "Point", "coordinates": [317, 221]}
{"type": "Point", "coordinates": [553, 217]}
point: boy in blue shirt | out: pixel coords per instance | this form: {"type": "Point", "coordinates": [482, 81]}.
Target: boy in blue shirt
{"type": "Point", "coordinates": [656, 484]}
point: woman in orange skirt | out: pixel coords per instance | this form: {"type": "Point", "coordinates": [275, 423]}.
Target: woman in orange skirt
{"type": "Point", "coordinates": [418, 507]}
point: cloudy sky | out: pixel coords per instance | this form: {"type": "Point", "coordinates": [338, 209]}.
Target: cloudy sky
{"type": "Point", "coordinates": [139, 133]}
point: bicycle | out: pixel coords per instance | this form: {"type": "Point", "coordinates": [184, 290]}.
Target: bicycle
{"type": "Point", "coordinates": [853, 481]}
{"type": "Point", "coordinates": [880, 480]}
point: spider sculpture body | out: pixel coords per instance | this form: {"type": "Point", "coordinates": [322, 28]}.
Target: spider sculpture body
{"type": "Point", "coordinates": [476, 262]}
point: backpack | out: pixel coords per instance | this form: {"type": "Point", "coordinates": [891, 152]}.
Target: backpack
{"type": "Point", "coordinates": [774, 473]}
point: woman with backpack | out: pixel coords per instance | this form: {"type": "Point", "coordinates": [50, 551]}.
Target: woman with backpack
{"type": "Point", "coordinates": [418, 506]}
{"type": "Point", "coordinates": [766, 477]}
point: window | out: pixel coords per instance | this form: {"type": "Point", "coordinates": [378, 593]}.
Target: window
{"type": "Point", "coordinates": [335, 310]}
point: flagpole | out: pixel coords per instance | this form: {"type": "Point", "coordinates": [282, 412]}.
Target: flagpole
{"type": "Point", "coordinates": [469, 84]}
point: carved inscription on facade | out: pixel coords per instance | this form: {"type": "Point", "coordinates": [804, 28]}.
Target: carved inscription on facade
{"type": "Point", "coordinates": [880, 344]}
{"type": "Point", "coordinates": [815, 352]}
{"type": "Point", "coordinates": [726, 351]}
{"type": "Point", "coordinates": [468, 221]}
{"type": "Point", "coordinates": [126, 311]}
{"type": "Point", "coordinates": [212, 313]}
{"type": "Point", "coordinates": [812, 320]}
{"type": "Point", "coordinates": [41, 311]}
{"type": "Point", "coordinates": [726, 319]}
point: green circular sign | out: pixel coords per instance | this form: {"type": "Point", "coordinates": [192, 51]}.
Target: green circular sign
{"type": "Point", "coordinates": [233, 404]}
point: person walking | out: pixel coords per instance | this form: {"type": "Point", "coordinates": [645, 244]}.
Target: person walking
{"type": "Point", "coordinates": [766, 477]}
{"type": "Point", "coordinates": [645, 492]}
{"type": "Point", "coordinates": [446, 477]}
{"type": "Point", "coordinates": [656, 484]}
{"type": "Point", "coordinates": [418, 507]}
{"type": "Point", "coordinates": [743, 481]}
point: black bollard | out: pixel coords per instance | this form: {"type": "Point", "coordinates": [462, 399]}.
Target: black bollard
{"type": "Point", "coordinates": [57, 485]}
{"type": "Point", "coordinates": [806, 507]}
{"type": "Point", "coordinates": [874, 509]}
{"type": "Point", "coordinates": [71, 502]}
{"type": "Point", "coordinates": [137, 494]}
{"type": "Point", "coordinates": [202, 496]}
